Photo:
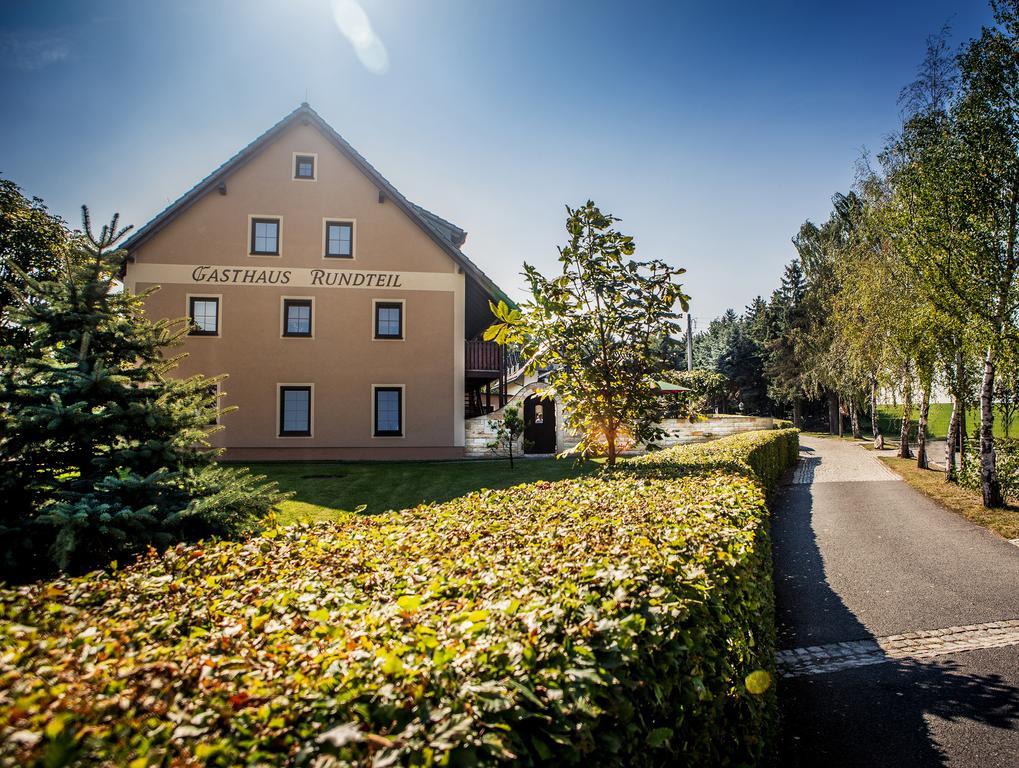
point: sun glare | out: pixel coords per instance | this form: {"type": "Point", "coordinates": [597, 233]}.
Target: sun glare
{"type": "Point", "coordinates": [353, 22]}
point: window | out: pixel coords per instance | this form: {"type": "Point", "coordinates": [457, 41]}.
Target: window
{"type": "Point", "coordinates": [297, 317]}
{"type": "Point", "coordinates": [304, 166]}
{"type": "Point", "coordinates": [339, 240]}
{"type": "Point", "coordinates": [265, 237]}
{"type": "Point", "coordinates": [295, 411]}
{"type": "Point", "coordinates": [388, 320]}
{"type": "Point", "coordinates": [203, 311]}
{"type": "Point", "coordinates": [388, 411]}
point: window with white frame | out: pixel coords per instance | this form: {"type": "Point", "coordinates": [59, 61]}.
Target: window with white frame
{"type": "Point", "coordinates": [297, 317]}
{"type": "Point", "coordinates": [388, 411]}
{"type": "Point", "coordinates": [265, 236]}
{"type": "Point", "coordinates": [339, 240]}
{"type": "Point", "coordinates": [203, 311]}
{"type": "Point", "coordinates": [388, 320]}
{"type": "Point", "coordinates": [295, 411]}
{"type": "Point", "coordinates": [304, 166]}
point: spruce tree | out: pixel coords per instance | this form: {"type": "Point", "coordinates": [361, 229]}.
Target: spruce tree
{"type": "Point", "coordinates": [104, 453]}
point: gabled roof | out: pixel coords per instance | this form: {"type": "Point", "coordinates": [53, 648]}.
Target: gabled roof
{"type": "Point", "coordinates": [448, 236]}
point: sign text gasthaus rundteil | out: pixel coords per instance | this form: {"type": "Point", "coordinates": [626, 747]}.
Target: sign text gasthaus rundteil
{"type": "Point", "coordinates": [262, 276]}
{"type": "Point", "coordinates": [323, 277]}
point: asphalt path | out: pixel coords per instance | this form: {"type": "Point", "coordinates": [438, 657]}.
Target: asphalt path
{"type": "Point", "coordinates": [859, 555]}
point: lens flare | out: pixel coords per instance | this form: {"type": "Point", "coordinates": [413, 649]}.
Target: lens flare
{"type": "Point", "coordinates": [355, 25]}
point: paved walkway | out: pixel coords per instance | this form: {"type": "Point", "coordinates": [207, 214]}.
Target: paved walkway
{"type": "Point", "coordinates": [898, 622]}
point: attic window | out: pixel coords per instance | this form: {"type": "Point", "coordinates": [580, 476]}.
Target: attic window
{"type": "Point", "coordinates": [304, 166]}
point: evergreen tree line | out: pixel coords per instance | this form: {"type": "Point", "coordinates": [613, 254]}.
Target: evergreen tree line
{"type": "Point", "coordinates": [913, 280]}
{"type": "Point", "coordinates": [103, 452]}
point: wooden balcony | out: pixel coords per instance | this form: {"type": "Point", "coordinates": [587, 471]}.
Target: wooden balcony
{"type": "Point", "coordinates": [484, 364]}
{"type": "Point", "coordinates": [484, 360]}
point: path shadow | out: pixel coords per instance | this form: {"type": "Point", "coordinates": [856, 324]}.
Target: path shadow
{"type": "Point", "coordinates": [873, 715]}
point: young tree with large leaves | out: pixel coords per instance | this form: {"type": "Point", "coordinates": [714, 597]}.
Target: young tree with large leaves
{"type": "Point", "coordinates": [103, 452]}
{"type": "Point", "coordinates": [598, 328]}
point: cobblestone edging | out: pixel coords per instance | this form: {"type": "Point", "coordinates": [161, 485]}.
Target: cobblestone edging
{"type": "Point", "coordinates": [819, 659]}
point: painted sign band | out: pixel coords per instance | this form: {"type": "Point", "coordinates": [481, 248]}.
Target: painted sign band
{"type": "Point", "coordinates": [207, 274]}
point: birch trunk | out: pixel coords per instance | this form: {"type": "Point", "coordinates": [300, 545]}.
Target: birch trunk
{"type": "Point", "coordinates": [842, 431]}
{"type": "Point", "coordinates": [961, 434]}
{"type": "Point", "coordinates": [834, 419]}
{"type": "Point", "coordinates": [989, 485]}
{"type": "Point", "coordinates": [921, 432]}
{"type": "Point", "coordinates": [879, 439]}
{"type": "Point", "coordinates": [953, 441]}
{"type": "Point", "coordinates": [907, 413]}
{"type": "Point", "coordinates": [854, 421]}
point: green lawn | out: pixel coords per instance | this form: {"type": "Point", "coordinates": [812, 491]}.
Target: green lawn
{"type": "Point", "coordinates": [890, 417]}
{"type": "Point", "coordinates": [327, 491]}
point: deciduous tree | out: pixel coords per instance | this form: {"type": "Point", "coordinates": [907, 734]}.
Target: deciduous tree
{"type": "Point", "coordinates": [598, 327]}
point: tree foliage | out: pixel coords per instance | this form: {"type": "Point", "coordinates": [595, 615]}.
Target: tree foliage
{"type": "Point", "coordinates": [599, 328]}
{"type": "Point", "coordinates": [33, 243]}
{"type": "Point", "coordinates": [508, 430]}
{"type": "Point", "coordinates": [104, 452]}
{"type": "Point", "coordinates": [913, 280]}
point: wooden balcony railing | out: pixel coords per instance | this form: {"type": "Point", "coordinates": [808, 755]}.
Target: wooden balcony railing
{"type": "Point", "coordinates": [484, 357]}
{"type": "Point", "coordinates": [484, 365]}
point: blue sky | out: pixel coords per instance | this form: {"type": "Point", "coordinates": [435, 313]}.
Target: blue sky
{"type": "Point", "coordinates": [711, 129]}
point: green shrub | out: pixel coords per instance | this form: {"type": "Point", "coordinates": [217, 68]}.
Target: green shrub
{"type": "Point", "coordinates": [611, 620]}
{"type": "Point", "coordinates": [1006, 459]}
{"type": "Point", "coordinates": [764, 455]}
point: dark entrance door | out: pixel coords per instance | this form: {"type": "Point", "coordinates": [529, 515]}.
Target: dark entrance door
{"type": "Point", "coordinates": [539, 425]}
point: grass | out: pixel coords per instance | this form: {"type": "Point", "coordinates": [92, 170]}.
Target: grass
{"type": "Point", "coordinates": [890, 419]}
{"type": "Point", "coordinates": [1004, 521]}
{"type": "Point", "coordinates": [330, 491]}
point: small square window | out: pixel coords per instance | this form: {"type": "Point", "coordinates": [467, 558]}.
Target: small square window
{"type": "Point", "coordinates": [295, 411]}
{"type": "Point", "coordinates": [304, 167]}
{"type": "Point", "coordinates": [388, 412]}
{"type": "Point", "coordinates": [339, 239]}
{"type": "Point", "coordinates": [203, 312]}
{"type": "Point", "coordinates": [265, 237]}
{"type": "Point", "coordinates": [297, 317]}
{"type": "Point", "coordinates": [388, 320]}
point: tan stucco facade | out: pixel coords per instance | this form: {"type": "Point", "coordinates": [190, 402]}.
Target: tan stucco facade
{"type": "Point", "coordinates": [203, 251]}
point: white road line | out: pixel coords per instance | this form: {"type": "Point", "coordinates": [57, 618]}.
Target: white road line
{"type": "Point", "coordinates": [924, 644]}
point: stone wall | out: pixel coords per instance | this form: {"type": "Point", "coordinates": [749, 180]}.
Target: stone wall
{"type": "Point", "coordinates": [479, 435]}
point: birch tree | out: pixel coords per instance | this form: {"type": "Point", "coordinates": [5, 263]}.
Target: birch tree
{"type": "Point", "coordinates": [956, 179]}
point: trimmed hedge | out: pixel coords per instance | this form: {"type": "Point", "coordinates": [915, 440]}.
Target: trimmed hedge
{"type": "Point", "coordinates": [764, 455]}
{"type": "Point", "coordinates": [611, 620]}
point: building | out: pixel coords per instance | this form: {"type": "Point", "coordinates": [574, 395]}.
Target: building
{"type": "Point", "coordinates": [347, 318]}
